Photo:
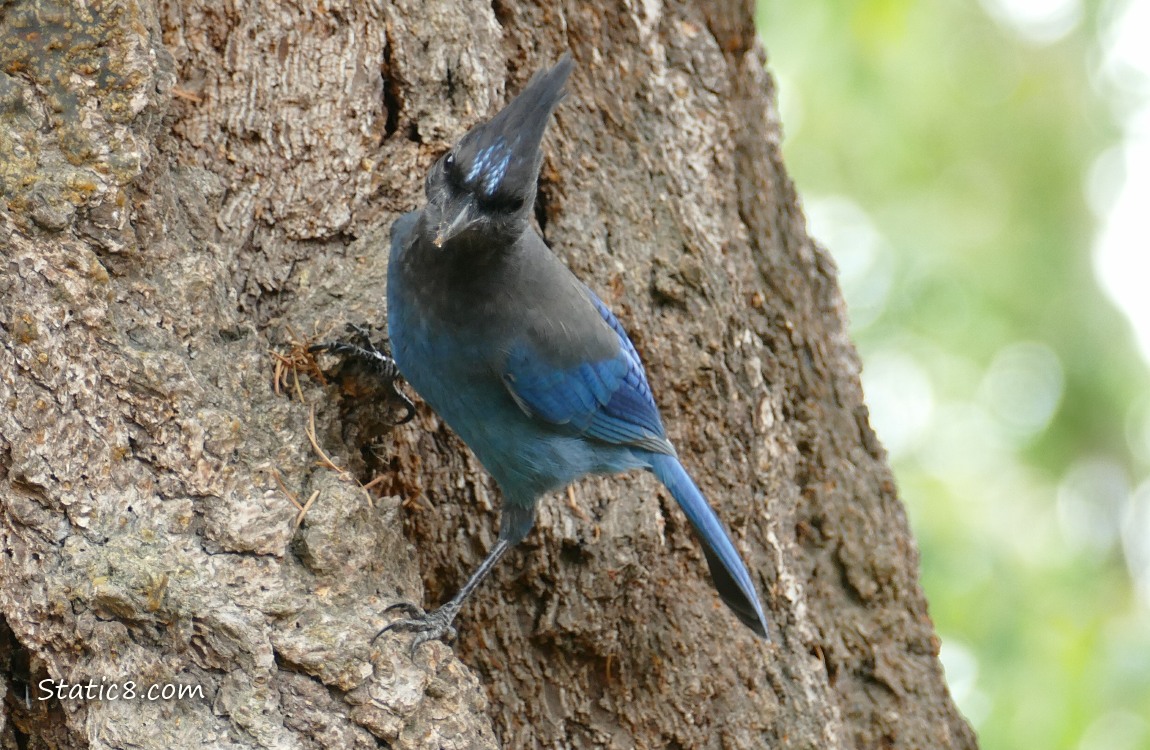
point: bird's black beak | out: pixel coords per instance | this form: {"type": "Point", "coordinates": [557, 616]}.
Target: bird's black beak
{"type": "Point", "coordinates": [461, 214]}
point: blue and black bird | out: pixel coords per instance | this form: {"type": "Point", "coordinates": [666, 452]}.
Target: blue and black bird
{"type": "Point", "coordinates": [518, 356]}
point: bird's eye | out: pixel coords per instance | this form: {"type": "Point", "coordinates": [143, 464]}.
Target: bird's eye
{"type": "Point", "coordinates": [449, 160]}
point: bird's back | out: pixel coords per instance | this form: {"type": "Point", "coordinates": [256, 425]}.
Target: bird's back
{"type": "Point", "coordinates": [452, 333]}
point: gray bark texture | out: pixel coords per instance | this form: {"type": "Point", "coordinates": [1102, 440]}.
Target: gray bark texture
{"type": "Point", "coordinates": [193, 189]}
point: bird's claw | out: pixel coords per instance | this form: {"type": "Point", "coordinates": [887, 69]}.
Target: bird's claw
{"type": "Point", "coordinates": [359, 337]}
{"type": "Point", "coordinates": [406, 608]}
{"type": "Point", "coordinates": [360, 347]}
{"type": "Point", "coordinates": [428, 626]}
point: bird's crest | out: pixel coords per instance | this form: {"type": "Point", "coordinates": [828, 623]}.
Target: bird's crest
{"type": "Point", "coordinates": [500, 158]}
{"type": "Point", "coordinates": [490, 165]}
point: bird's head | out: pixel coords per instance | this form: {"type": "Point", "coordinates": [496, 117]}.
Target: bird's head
{"type": "Point", "coordinates": [486, 183]}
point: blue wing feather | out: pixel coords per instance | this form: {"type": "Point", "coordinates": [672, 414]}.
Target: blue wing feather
{"type": "Point", "coordinates": [608, 400]}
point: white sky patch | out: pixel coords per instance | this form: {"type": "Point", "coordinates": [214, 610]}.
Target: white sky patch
{"type": "Point", "coordinates": [1119, 184]}
{"type": "Point", "coordinates": [1038, 21]}
{"type": "Point", "coordinates": [1122, 246]}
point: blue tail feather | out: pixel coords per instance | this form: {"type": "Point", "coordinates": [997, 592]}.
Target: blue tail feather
{"type": "Point", "coordinates": [728, 572]}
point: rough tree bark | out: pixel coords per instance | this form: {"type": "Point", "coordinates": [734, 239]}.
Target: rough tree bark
{"type": "Point", "coordinates": [185, 184]}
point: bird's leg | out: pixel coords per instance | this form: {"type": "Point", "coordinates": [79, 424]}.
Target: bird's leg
{"type": "Point", "coordinates": [437, 623]}
{"type": "Point", "coordinates": [361, 348]}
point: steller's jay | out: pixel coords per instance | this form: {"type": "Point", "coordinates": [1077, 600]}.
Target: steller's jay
{"type": "Point", "coordinates": [517, 356]}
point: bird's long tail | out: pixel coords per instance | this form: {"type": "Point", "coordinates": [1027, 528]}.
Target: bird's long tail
{"type": "Point", "coordinates": [728, 572]}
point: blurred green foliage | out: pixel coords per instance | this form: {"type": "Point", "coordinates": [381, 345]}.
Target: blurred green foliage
{"type": "Point", "coordinates": [944, 156]}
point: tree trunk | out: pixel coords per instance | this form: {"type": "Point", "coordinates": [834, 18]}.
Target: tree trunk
{"type": "Point", "coordinates": [190, 187]}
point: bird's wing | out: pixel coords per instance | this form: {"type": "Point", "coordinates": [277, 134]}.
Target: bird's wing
{"type": "Point", "coordinates": [607, 399]}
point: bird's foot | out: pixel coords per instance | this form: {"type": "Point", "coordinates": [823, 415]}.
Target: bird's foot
{"type": "Point", "coordinates": [359, 347]}
{"type": "Point", "coordinates": [427, 626]}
